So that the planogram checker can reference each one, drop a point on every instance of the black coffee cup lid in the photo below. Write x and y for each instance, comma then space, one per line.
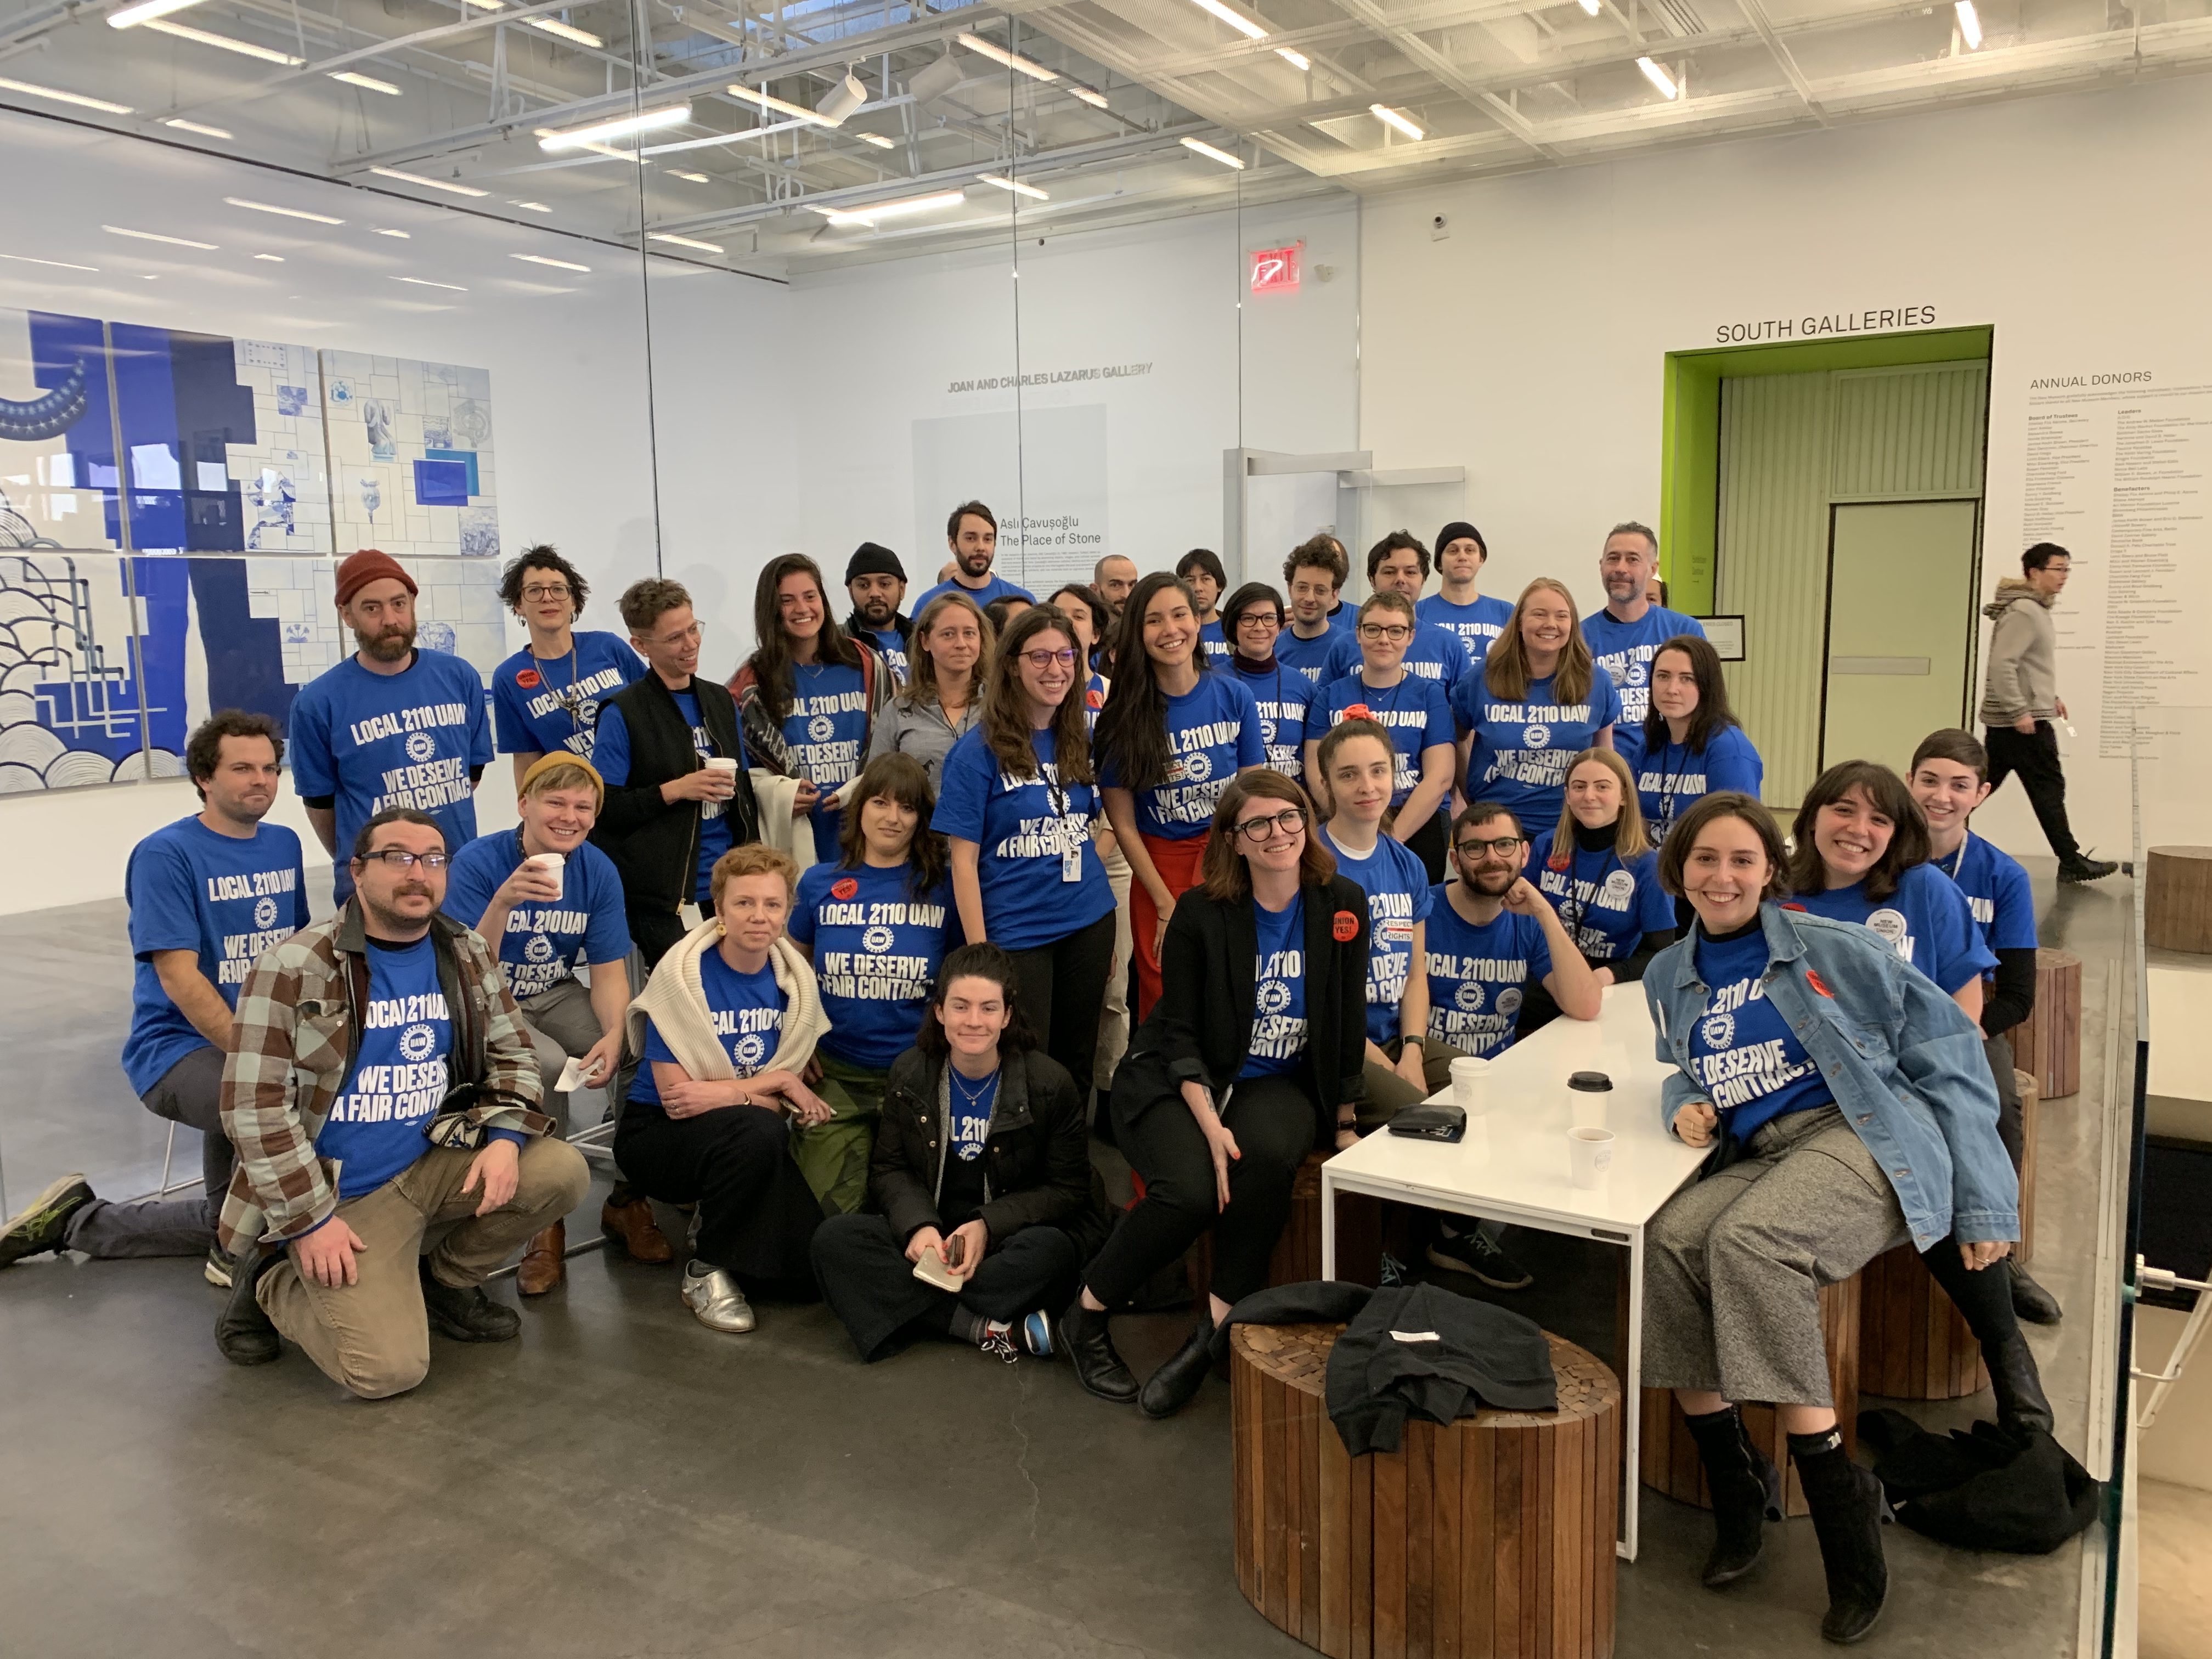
1596, 1083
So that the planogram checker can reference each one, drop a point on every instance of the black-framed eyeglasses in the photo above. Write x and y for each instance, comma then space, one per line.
1288, 822
1261, 619
1043, 659
1504, 846
1392, 631
546, 591
398, 858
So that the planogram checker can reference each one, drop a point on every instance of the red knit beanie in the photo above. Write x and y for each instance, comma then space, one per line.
370, 565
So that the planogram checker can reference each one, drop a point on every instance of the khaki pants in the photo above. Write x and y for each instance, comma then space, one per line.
1390, 1093
373, 1336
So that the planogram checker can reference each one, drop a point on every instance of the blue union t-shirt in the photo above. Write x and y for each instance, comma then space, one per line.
542, 706
876, 946
1925, 921
1398, 900
1215, 642
1329, 655
1625, 651
747, 1011
1523, 746
1435, 653
1672, 777
544, 943
371, 741
1998, 897
1280, 695
1478, 975
1476, 625
229, 899
611, 756
1414, 712
1213, 731
1742, 1052
892, 644
825, 731
1023, 827
997, 588
1606, 903
379, 1124
1278, 978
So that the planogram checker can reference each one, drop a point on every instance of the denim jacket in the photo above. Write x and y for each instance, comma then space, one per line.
1901, 1061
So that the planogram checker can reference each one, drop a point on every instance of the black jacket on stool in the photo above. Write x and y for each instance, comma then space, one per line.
653, 842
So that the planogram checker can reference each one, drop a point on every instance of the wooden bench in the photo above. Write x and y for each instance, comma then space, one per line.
2177, 899
1491, 1536
2047, 1044
1670, 1457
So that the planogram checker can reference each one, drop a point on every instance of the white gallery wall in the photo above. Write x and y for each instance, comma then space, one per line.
1528, 346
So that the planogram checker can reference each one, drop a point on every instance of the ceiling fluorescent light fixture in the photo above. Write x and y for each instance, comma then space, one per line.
273, 259
1213, 154
1659, 77
769, 100
875, 210
651, 120
534, 207
670, 237
1593, 7
1969, 25
183, 125
877, 140
1236, 20
424, 281
489, 5
432, 184
289, 213
1297, 60
1096, 99
131, 16
59, 265
367, 83
32, 89
404, 235
553, 26
1391, 118
1012, 60
1013, 185
692, 178
243, 48
545, 260
150, 236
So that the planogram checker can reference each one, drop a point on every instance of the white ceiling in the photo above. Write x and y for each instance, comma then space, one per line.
1491, 86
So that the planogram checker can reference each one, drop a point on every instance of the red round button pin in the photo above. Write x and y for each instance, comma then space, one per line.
1345, 928
529, 679
844, 889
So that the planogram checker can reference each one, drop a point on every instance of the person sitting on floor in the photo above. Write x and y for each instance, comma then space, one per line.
378, 1083
982, 1165
1853, 1111
726, 1026
548, 901
1254, 1056
208, 894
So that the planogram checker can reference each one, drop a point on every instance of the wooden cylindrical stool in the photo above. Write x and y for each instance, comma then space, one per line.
2047, 1044
1670, 1457
2031, 1098
1493, 1534
1913, 1344
2177, 899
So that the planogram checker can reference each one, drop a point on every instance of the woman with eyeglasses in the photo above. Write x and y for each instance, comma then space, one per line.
940, 702
1537, 699
1417, 714
1092, 621
1016, 806
1252, 1058
545, 698
1252, 619
1693, 745
1171, 737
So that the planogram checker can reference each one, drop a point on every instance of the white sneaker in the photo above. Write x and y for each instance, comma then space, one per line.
714, 1296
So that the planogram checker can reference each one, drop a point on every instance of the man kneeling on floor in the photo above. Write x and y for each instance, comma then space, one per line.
379, 1083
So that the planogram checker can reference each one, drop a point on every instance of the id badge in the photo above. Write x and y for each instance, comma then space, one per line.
1071, 864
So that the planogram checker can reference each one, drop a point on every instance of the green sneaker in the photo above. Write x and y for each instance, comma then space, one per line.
41, 1227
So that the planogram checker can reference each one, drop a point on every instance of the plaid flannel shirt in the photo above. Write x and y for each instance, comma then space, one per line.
295, 1039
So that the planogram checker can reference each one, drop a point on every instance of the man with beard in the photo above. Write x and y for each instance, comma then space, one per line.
379, 1083
1627, 634
972, 533
1491, 934
208, 895
1112, 579
389, 726
877, 582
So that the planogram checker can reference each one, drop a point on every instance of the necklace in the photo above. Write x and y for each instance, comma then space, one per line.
570, 698
968, 1098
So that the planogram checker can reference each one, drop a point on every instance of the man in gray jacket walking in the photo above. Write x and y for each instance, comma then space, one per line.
2020, 701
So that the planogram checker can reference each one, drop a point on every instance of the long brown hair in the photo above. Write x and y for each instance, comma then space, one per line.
1221, 869
1005, 707
771, 659
1133, 728
1505, 671
1630, 840
901, 778
1886, 793
921, 668
1712, 715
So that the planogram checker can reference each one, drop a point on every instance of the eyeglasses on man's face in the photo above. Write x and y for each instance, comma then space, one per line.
1394, 632
398, 858
538, 591
1504, 846
1288, 822
1042, 659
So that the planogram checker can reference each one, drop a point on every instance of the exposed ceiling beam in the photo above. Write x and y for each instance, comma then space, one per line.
1419, 54
1755, 13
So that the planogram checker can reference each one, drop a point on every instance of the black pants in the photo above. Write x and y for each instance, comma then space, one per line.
2010, 1129
1982, 1296
870, 1285
1427, 844
756, 1213
1275, 1121
656, 931
1062, 986
2035, 757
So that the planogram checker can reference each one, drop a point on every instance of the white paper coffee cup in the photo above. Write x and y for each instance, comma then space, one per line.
1470, 1077
723, 764
553, 864
1589, 1154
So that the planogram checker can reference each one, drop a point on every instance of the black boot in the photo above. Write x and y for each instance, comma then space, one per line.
2018, 1386
1091, 1346
244, 1333
1747, 1491
1176, 1383
2030, 1301
1848, 1510
467, 1315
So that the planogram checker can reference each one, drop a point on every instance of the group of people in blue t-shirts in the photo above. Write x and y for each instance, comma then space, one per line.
865, 944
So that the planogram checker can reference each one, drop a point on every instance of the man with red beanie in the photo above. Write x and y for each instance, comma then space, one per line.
389, 726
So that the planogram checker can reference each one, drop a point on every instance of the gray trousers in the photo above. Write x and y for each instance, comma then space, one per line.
562, 1027
1734, 1264
191, 1093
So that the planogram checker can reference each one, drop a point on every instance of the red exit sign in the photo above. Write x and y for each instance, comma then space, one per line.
1274, 268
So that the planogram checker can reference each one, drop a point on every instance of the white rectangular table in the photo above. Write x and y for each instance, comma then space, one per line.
1512, 1167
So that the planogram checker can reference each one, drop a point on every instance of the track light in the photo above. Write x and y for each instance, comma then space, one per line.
183, 125
565, 31
646, 121
840, 101
932, 81
1213, 154
1659, 77
447, 185
1096, 99
546, 259
768, 101
875, 210
1391, 118
1969, 25
152, 236
877, 140
424, 281
1012, 60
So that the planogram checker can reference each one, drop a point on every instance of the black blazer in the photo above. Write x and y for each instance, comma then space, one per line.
655, 843
1201, 1026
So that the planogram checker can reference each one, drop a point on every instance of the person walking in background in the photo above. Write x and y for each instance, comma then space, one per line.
972, 532
546, 696
2020, 701
875, 581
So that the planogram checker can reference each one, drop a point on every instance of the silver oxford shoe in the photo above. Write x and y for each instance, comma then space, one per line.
715, 1298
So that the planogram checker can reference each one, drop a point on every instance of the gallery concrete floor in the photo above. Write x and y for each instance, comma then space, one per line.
622, 1481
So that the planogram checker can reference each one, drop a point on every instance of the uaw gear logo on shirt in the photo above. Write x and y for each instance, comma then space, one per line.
1469, 997
1536, 736
264, 912
1638, 673
417, 1043
539, 949
1267, 730
877, 940
421, 745
821, 728
1718, 1030
1273, 996
751, 1049
1277, 1034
